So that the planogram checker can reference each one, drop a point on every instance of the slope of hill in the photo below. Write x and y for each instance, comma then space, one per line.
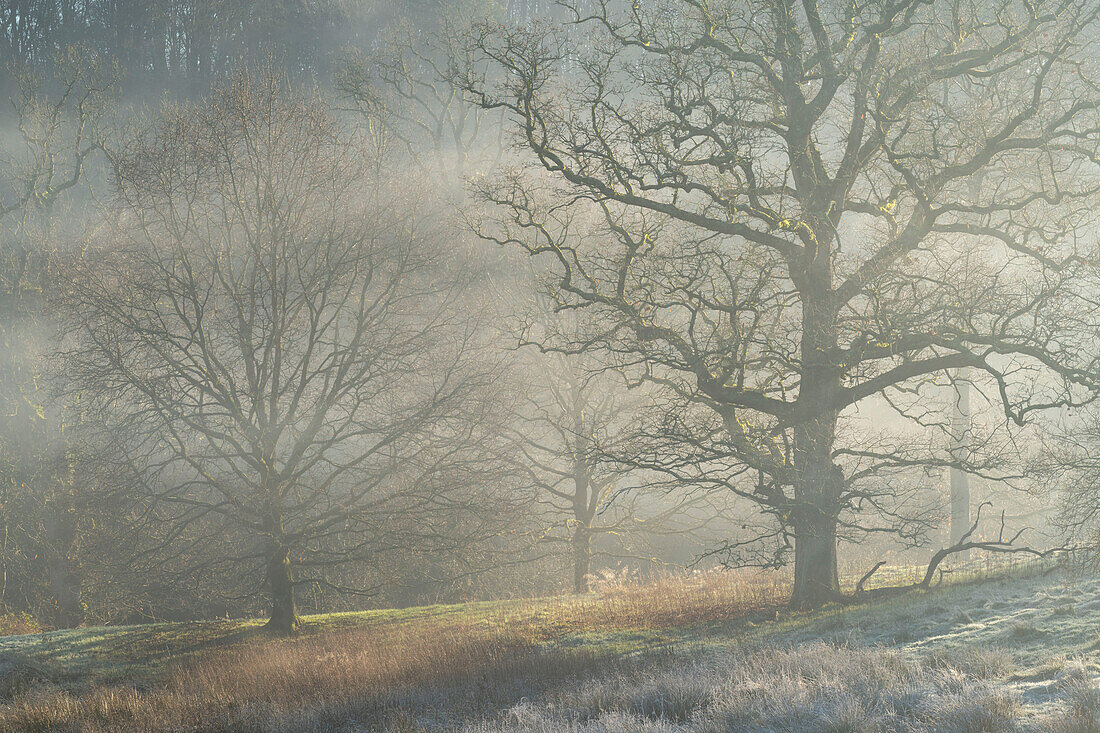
714, 652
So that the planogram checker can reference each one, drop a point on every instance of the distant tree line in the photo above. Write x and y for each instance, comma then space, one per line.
165, 40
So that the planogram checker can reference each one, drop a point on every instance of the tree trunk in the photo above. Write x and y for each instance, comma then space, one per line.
280, 578
584, 508
816, 580
960, 482
581, 558
280, 586
65, 578
818, 481
818, 486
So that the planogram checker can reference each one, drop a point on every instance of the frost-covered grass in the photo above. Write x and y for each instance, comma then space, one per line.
1012, 654
811, 687
703, 653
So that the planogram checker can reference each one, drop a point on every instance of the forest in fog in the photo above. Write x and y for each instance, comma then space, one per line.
310, 306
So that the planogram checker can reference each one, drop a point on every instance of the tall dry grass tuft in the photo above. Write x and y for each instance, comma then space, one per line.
1082, 714
668, 601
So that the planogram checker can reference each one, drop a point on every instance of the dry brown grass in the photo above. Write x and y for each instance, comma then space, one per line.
474, 659
252, 687
669, 601
425, 668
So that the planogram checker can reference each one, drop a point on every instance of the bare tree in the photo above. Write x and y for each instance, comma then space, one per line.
766, 206
55, 117
405, 82
268, 326
572, 423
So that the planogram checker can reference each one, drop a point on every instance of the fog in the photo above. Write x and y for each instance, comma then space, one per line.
311, 307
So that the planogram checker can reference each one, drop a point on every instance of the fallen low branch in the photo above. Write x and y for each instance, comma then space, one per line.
965, 543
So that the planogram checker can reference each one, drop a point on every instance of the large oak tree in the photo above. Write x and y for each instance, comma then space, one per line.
789, 210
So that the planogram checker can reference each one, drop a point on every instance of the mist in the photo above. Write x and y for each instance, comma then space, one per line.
468, 329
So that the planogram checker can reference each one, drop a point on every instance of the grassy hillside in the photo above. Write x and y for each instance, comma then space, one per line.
709, 652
